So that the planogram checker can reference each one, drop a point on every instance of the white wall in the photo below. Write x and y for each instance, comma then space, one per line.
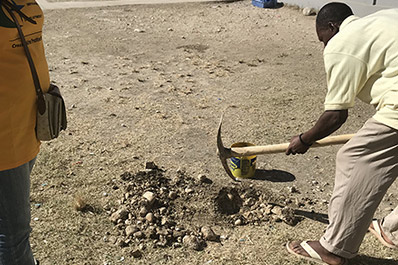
360, 7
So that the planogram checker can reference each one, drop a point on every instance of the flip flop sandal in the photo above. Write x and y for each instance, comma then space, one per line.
376, 230
314, 256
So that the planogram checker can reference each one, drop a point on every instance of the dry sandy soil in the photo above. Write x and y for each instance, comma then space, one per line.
149, 84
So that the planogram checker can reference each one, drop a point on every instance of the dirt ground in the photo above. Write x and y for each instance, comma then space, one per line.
148, 84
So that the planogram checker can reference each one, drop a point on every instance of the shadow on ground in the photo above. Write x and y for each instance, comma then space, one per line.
366, 260
273, 175
319, 217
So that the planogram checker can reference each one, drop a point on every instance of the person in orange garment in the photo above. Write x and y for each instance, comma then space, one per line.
361, 61
18, 143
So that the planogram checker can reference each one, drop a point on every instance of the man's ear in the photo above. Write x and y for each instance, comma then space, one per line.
333, 27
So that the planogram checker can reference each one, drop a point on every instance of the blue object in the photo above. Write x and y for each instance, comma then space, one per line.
264, 3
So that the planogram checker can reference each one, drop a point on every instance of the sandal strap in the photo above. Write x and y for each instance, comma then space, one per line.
376, 226
310, 250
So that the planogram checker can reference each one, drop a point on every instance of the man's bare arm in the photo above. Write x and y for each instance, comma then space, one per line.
327, 123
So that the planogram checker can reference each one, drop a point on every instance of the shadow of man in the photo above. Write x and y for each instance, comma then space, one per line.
366, 260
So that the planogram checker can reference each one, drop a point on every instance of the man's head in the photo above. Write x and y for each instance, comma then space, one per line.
329, 19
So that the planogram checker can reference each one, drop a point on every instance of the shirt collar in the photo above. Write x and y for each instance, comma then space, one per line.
347, 21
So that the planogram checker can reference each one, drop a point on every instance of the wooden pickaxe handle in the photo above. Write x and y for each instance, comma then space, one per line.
281, 148
225, 153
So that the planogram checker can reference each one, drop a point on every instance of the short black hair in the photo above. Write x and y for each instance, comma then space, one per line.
333, 12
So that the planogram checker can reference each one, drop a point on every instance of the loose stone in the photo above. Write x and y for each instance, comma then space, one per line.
208, 233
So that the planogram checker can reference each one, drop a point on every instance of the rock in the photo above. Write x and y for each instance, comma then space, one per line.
277, 210
193, 242
189, 190
173, 195
288, 216
151, 165
180, 171
224, 237
163, 190
178, 234
149, 196
120, 214
238, 222
309, 11
151, 233
139, 235
177, 245
250, 202
208, 234
113, 239
130, 230
161, 244
267, 210
277, 218
122, 243
162, 231
164, 222
136, 253
292, 189
150, 217
202, 178
163, 210
143, 211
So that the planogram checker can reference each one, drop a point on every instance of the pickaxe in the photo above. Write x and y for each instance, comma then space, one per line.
225, 153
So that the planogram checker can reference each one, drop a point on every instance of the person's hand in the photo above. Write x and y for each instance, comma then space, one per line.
296, 146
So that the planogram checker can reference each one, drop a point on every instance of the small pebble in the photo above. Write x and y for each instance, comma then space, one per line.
136, 253
202, 178
208, 233
173, 195
150, 217
188, 190
309, 11
193, 242
149, 196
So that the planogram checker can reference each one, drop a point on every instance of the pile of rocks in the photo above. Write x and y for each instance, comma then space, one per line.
149, 214
158, 211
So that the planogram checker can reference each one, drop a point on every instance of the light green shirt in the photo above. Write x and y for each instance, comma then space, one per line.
362, 61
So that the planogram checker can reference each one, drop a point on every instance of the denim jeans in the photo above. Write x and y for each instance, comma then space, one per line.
15, 216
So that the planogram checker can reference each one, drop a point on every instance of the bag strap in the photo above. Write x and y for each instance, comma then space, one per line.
13, 8
40, 97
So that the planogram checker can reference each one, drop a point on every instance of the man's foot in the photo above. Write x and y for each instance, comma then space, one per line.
375, 229
313, 250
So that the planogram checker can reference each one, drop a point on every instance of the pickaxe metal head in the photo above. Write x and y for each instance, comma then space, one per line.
224, 153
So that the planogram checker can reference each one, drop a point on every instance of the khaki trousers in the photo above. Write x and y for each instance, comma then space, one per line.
366, 166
